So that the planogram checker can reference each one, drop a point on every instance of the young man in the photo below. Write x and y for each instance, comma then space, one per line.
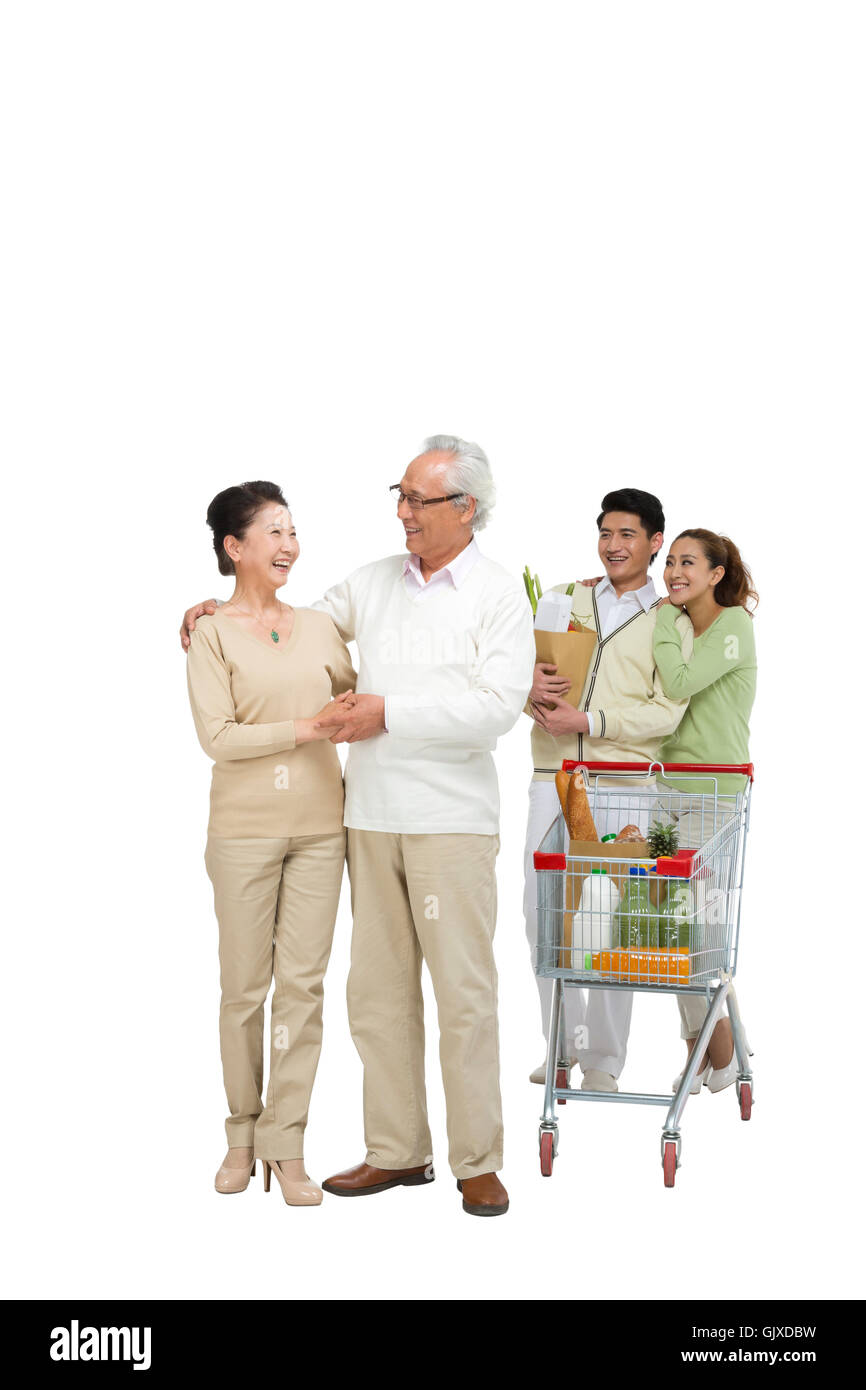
623, 716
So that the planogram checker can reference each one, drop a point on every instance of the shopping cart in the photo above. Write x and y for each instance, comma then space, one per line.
665, 926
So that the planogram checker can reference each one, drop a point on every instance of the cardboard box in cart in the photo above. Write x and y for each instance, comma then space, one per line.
633, 967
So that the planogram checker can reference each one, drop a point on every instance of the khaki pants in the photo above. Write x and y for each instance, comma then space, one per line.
276, 904
430, 897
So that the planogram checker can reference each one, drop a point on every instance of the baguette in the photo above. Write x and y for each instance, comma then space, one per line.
578, 816
562, 780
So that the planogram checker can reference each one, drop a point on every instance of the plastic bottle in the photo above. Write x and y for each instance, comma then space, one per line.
653, 940
637, 922
593, 921
675, 916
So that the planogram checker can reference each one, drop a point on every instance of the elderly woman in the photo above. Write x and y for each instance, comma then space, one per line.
261, 676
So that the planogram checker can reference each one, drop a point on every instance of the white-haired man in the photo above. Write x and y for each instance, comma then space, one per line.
446, 658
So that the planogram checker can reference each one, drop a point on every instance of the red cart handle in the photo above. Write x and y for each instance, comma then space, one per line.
743, 769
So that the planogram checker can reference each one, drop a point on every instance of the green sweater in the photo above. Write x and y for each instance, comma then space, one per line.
719, 683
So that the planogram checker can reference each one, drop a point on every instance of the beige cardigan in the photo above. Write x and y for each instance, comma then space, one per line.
623, 692
245, 695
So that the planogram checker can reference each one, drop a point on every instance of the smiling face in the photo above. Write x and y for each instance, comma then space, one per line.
688, 573
268, 550
436, 533
625, 549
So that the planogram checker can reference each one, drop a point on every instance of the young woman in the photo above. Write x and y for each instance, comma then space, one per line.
261, 674
706, 578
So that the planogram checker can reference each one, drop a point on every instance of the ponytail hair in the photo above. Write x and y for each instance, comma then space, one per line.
735, 589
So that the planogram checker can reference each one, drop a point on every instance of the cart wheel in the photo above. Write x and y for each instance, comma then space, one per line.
561, 1083
745, 1100
669, 1163
546, 1150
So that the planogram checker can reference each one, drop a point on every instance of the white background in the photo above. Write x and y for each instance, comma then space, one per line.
618, 244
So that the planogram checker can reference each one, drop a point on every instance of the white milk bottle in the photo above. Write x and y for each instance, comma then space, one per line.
593, 921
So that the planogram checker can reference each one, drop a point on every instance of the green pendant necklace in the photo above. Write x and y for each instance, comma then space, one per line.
275, 636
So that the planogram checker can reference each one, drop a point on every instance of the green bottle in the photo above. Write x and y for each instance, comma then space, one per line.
636, 924
653, 926
675, 916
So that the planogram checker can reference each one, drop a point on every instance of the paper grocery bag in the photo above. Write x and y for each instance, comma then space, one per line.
571, 653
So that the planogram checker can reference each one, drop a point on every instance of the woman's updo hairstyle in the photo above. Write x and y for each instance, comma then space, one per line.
735, 589
231, 512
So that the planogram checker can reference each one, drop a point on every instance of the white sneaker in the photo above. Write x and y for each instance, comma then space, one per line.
540, 1074
594, 1080
702, 1079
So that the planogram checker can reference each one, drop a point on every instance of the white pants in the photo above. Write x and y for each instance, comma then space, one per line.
696, 823
604, 1019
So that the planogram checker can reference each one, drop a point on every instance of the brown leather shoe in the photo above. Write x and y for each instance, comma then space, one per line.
484, 1195
363, 1180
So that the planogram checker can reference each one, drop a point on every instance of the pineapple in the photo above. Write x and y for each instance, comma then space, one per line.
662, 839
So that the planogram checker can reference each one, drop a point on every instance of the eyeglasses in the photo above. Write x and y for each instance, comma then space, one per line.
418, 504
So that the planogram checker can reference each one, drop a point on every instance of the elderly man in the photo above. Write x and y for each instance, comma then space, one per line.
446, 657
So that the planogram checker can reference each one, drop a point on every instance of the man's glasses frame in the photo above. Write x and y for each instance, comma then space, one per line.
419, 503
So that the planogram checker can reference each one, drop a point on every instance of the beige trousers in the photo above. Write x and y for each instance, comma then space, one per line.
276, 904
430, 897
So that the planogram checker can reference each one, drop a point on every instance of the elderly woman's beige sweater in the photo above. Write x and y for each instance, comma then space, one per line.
246, 694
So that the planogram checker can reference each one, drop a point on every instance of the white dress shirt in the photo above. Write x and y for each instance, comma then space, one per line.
418, 588
454, 660
613, 612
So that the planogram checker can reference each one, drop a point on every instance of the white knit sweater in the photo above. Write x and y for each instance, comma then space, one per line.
456, 670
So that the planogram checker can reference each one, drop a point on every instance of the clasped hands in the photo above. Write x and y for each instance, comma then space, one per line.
350, 718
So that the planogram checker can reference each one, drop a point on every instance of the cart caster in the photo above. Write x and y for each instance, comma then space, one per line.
744, 1091
561, 1083
669, 1162
548, 1153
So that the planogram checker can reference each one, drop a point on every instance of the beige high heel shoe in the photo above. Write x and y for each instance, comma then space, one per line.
233, 1179
297, 1192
